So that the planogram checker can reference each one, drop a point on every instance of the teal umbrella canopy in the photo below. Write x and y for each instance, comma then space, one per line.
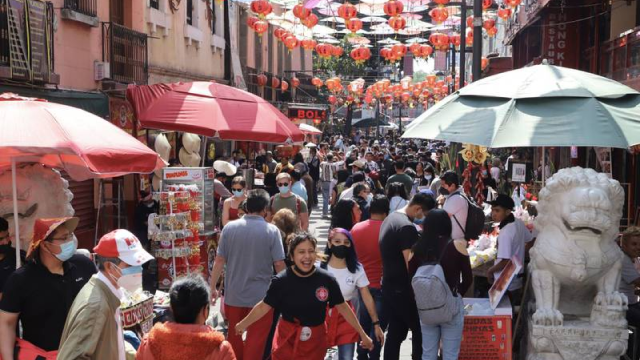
541, 105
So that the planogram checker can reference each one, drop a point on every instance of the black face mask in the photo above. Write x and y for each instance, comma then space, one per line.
302, 272
444, 191
339, 251
6, 249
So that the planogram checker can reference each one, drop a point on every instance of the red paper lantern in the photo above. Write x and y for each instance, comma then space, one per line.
486, 4
301, 12
354, 25
455, 39
316, 82
425, 51
415, 49
504, 13
295, 82
489, 24
347, 11
330, 84
512, 3
262, 80
441, 3
337, 51
431, 80
251, 20
324, 50
360, 54
284, 86
332, 99
399, 50
469, 38
405, 96
275, 82
308, 44
397, 22
385, 53
440, 41
470, 21
291, 42
439, 15
484, 62
492, 32
278, 33
261, 7
260, 27
310, 21
393, 8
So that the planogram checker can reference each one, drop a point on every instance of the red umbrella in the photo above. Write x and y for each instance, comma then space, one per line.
211, 109
67, 138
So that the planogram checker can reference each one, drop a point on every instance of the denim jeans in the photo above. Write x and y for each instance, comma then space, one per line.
346, 351
450, 333
365, 321
326, 186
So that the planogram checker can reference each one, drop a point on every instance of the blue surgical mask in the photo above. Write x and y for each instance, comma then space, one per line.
283, 189
131, 270
237, 193
67, 250
418, 221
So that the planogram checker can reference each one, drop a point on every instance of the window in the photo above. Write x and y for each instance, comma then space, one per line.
190, 12
154, 4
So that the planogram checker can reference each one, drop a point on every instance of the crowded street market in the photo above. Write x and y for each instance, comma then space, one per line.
319, 179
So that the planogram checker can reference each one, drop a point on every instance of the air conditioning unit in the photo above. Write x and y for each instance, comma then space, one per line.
101, 70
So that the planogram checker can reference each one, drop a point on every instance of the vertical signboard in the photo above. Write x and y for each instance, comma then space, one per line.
18, 44
38, 40
236, 67
560, 38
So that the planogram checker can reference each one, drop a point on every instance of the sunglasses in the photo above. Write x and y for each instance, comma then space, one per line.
283, 184
236, 189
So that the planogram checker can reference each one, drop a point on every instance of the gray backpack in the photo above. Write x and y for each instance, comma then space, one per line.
436, 304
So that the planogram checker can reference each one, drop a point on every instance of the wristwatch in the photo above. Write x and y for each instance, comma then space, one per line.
376, 323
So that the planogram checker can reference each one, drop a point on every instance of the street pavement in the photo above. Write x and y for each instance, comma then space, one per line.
319, 228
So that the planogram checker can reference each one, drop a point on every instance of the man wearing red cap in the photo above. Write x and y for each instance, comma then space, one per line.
93, 329
40, 293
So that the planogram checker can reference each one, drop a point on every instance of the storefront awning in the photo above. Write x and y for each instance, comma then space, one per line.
93, 102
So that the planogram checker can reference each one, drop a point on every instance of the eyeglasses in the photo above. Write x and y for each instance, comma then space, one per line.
283, 184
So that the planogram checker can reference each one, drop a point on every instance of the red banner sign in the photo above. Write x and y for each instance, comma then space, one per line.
486, 338
560, 39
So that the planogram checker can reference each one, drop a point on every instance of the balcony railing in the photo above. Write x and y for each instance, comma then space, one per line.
86, 7
126, 52
620, 57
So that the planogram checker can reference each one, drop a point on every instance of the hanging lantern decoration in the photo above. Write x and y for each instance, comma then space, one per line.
469, 38
308, 44
385, 53
324, 50
486, 4
260, 27
347, 11
397, 22
332, 99
262, 80
316, 82
337, 51
251, 21
291, 42
405, 96
415, 49
261, 7
484, 62
489, 24
310, 21
441, 3
470, 21
354, 25
449, 79
425, 51
330, 84
301, 12
455, 40
275, 82
399, 50
512, 3
284, 86
504, 13
492, 32
361, 54
295, 82
439, 15
440, 41
393, 8
431, 80
278, 33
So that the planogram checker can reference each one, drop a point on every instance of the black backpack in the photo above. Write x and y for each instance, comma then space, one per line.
475, 220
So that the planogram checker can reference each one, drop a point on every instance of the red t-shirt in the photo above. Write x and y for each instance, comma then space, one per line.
366, 236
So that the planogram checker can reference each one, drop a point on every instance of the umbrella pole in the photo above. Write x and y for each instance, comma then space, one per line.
544, 165
16, 225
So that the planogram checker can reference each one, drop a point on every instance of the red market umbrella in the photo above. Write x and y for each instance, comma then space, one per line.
67, 138
211, 109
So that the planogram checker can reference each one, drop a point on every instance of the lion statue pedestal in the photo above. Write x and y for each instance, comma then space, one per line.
575, 270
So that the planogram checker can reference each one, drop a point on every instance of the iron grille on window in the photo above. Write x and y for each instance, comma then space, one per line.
87, 7
126, 52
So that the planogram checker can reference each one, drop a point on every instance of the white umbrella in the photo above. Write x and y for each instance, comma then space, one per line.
308, 129
222, 166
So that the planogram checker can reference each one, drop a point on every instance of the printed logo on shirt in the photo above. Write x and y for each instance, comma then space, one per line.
79, 279
350, 281
322, 294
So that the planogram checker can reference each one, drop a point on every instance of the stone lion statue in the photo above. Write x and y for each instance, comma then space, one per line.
42, 193
575, 263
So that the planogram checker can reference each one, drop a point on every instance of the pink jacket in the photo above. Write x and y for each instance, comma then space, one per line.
172, 341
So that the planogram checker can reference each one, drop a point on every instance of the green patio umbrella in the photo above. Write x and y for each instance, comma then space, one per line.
541, 105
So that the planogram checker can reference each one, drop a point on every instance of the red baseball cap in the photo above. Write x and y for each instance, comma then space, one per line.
42, 228
122, 244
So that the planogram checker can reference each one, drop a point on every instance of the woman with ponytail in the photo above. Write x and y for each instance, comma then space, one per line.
342, 262
187, 338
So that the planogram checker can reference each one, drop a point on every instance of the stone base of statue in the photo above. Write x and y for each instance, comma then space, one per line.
576, 340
